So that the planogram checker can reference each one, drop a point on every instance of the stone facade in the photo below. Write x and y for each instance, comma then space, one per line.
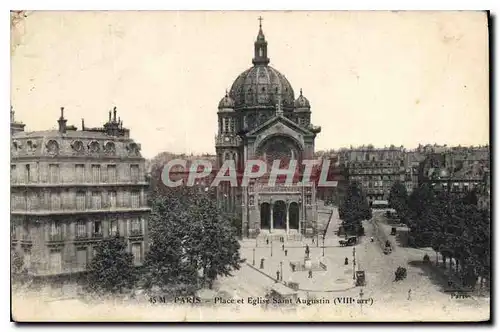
259, 118
70, 189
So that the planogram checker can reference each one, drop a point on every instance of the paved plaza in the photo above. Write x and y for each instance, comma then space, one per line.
337, 279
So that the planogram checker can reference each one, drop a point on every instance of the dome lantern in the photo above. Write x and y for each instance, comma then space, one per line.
301, 103
260, 48
226, 102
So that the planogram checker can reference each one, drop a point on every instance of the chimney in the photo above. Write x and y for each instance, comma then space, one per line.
114, 114
62, 122
83, 125
109, 116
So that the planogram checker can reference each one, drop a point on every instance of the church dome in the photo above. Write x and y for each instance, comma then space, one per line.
302, 102
262, 86
226, 102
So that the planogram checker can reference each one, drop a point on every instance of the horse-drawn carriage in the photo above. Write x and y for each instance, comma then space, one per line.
349, 242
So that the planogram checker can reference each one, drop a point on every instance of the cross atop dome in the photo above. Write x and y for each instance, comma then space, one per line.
260, 22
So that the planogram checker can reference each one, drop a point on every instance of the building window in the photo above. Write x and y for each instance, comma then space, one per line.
55, 232
81, 258
27, 173
55, 261
113, 227
55, 201
80, 201
227, 124
134, 173
96, 200
137, 252
13, 230
97, 229
111, 173
112, 199
53, 173
27, 259
31, 200
135, 226
81, 229
13, 174
80, 173
96, 173
134, 199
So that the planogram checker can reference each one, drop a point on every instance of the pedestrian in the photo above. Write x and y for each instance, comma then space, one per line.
262, 263
409, 294
313, 241
371, 238
286, 252
282, 247
346, 261
277, 276
310, 274
267, 241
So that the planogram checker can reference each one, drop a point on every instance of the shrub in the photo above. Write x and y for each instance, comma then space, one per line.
400, 273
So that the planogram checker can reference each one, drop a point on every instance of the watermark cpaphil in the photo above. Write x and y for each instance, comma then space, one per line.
178, 172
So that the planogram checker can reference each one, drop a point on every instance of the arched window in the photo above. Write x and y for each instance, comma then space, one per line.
261, 52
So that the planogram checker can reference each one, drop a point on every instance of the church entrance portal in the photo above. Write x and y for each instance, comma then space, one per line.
265, 214
294, 215
279, 215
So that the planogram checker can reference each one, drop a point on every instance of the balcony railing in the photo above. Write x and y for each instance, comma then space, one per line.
136, 232
132, 182
56, 238
97, 235
74, 211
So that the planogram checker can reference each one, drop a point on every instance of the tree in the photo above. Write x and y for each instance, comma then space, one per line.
112, 270
192, 241
471, 198
398, 199
354, 208
165, 264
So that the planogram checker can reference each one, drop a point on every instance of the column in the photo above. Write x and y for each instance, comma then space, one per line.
287, 218
271, 217
301, 219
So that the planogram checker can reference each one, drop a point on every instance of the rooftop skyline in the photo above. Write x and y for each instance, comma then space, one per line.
376, 78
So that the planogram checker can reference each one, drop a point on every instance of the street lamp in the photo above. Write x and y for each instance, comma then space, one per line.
361, 298
354, 263
253, 261
323, 246
271, 247
281, 268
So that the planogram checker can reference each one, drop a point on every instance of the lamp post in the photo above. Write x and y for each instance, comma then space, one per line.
253, 260
281, 268
323, 246
271, 247
353, 263
361, 298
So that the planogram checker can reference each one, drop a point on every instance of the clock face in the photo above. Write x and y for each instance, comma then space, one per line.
226, 139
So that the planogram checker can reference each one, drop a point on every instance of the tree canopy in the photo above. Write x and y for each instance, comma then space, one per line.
454, 226
354, 208
112, 269
192, 241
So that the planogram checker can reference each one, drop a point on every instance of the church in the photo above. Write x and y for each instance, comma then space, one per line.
260, 118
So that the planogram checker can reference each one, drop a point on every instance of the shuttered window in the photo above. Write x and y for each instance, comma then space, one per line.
96, 173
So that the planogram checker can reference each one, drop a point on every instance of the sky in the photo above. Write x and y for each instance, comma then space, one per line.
380, 78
